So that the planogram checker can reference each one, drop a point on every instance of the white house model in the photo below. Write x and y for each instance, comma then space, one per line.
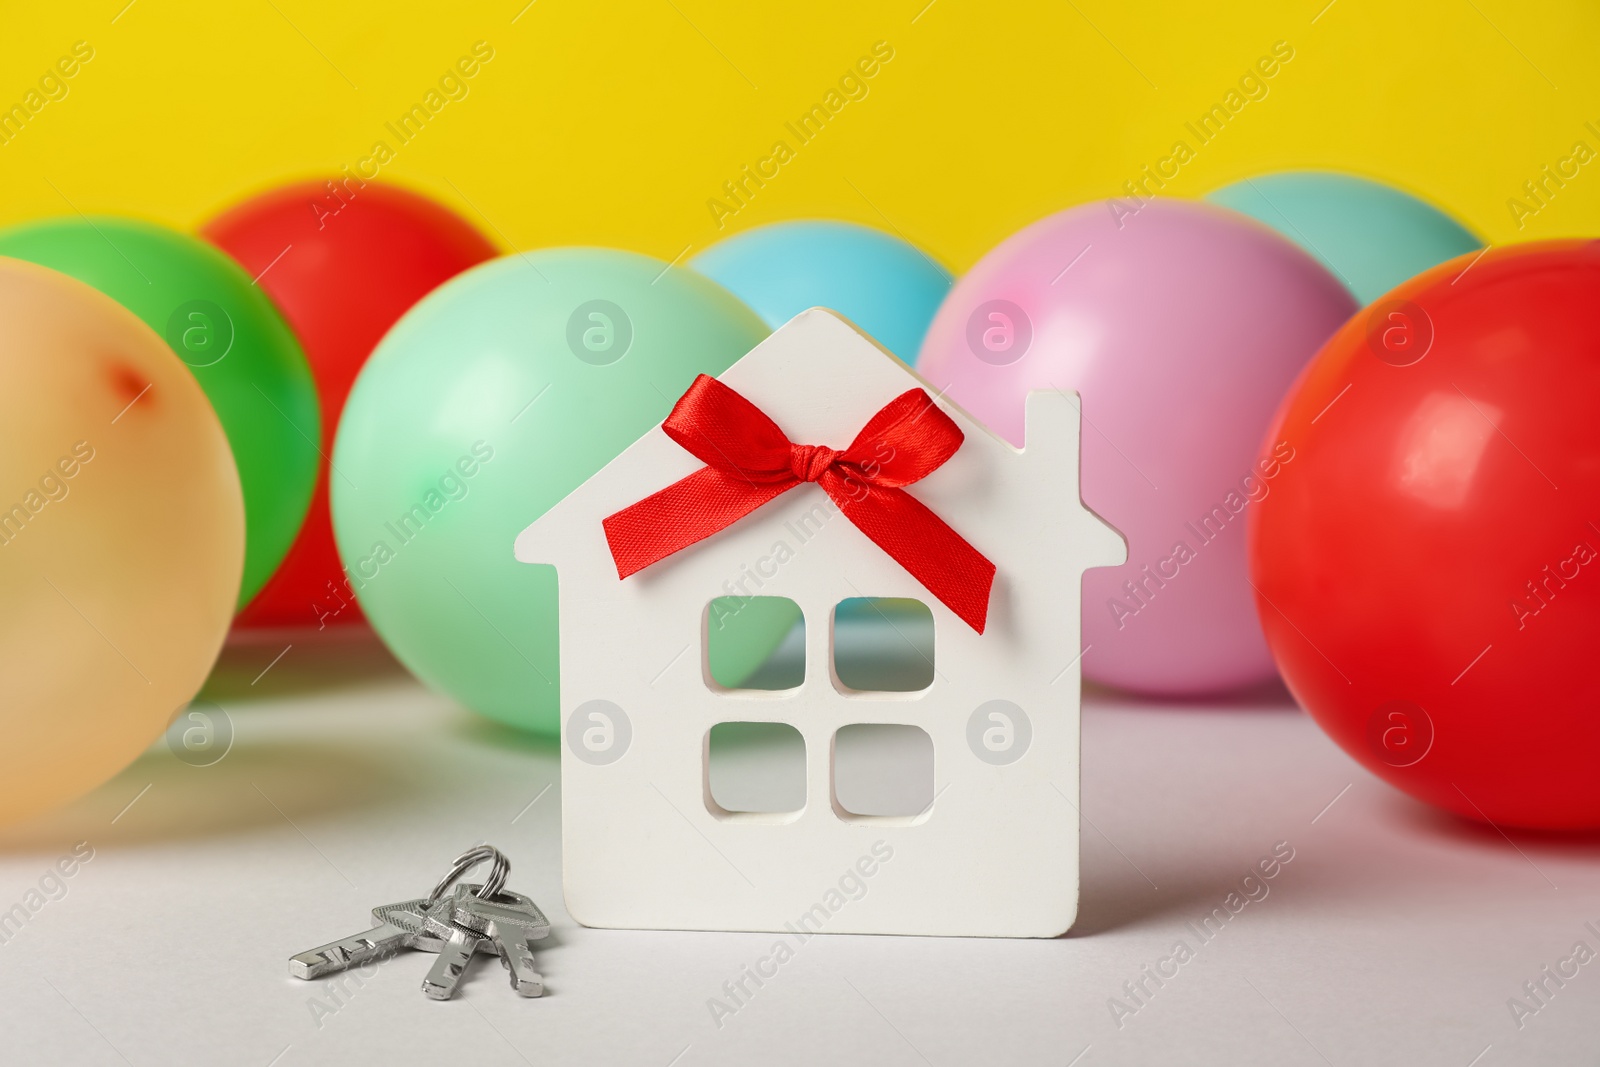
996, 851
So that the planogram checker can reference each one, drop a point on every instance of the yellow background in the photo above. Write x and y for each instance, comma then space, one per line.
614, 124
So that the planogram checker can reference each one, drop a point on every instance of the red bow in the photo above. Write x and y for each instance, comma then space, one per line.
749, 461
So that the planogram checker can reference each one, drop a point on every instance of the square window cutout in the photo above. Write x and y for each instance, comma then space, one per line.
883, 644
755, 642
882, 769
755, 767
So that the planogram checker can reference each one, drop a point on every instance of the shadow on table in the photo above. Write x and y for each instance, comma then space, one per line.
491, 734
278, 663
1270, 695
1432, 822
271, 784
1110, 898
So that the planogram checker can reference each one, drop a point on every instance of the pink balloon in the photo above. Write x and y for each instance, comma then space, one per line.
1182, 325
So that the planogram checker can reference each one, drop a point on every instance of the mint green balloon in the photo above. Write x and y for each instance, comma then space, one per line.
1372, 236
492, 399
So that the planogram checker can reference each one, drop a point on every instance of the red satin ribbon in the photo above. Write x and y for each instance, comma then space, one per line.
749, 461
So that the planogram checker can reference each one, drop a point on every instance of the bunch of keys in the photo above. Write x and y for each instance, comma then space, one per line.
471, 919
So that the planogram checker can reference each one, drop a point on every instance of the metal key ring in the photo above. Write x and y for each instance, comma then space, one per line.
470, 859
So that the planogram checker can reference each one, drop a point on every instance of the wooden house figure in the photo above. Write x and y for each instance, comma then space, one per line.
645, 844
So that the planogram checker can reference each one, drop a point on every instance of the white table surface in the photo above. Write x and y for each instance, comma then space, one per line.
1394, 936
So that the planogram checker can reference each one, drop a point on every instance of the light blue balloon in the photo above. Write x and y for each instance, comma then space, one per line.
1372, 236
885, 286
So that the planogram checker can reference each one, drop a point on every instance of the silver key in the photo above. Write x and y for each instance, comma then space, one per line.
429, 921
470, 924
384, 939
511, 921
472, 919
454, 956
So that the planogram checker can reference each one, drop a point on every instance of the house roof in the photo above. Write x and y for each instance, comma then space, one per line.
820, 379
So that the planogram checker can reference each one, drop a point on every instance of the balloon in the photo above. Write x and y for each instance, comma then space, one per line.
889, 288
491, 400
1428, 566
234, 342
1371, 235
342, 265
121, 537
1181, 325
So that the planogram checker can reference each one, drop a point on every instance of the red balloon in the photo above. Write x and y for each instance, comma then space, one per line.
1427, 565
343, 261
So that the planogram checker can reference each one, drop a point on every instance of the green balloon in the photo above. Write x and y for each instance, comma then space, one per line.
1372, 236
234, 342
492, 399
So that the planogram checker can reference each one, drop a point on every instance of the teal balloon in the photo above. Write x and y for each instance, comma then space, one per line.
1372, 236
489, 401
884, 285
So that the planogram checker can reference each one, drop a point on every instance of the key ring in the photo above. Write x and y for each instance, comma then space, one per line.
470, 859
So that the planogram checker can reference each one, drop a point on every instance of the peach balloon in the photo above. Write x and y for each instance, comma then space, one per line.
121, 537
